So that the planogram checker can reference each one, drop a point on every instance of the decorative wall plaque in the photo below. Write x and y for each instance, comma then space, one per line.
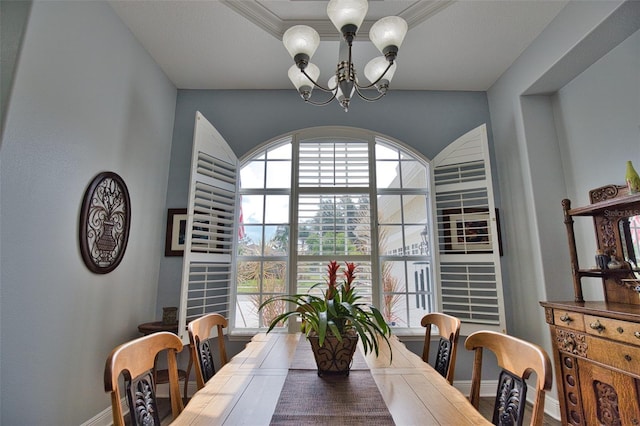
105, 218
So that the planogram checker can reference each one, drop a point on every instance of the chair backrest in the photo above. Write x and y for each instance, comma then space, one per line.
201, 339
135, 360
449, 332
518, 359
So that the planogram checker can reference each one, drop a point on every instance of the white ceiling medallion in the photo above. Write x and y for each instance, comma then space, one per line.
270, 15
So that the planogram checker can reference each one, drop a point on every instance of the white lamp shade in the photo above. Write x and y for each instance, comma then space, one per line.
343, 12
331, 84
374, 69
299, 79
389, 31
301, 39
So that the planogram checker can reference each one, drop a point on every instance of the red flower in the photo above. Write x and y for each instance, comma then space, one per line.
332, 270
349, 275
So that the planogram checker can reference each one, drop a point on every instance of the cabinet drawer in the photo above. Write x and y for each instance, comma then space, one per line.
618, 330
617, 355
568, 319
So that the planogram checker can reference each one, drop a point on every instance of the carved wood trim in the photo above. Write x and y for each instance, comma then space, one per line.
548, 315
570, 382
608, 410
571, 342
606, 192
606, 229
510, 400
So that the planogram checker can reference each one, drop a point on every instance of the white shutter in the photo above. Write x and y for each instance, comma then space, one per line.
469, 278
207, 270
329, 164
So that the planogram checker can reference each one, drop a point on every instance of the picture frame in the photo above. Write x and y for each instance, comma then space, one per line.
176, 231
105, 221
468, 231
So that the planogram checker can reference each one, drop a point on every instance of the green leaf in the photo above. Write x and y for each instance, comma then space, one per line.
322, 327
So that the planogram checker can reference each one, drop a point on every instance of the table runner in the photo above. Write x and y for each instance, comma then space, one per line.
307, 399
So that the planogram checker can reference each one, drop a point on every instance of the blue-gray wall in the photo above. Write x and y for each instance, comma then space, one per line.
535, 156
13, 20
86, 98
597, 118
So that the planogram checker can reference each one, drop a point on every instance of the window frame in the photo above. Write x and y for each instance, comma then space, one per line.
342, 134
376, 258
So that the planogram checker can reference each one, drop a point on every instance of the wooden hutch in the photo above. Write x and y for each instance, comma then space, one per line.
596, 345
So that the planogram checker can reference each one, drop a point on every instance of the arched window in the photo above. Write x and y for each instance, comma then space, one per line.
335, 194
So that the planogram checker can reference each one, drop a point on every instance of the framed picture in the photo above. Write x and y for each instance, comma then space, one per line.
469, 231
176, 229
105, 219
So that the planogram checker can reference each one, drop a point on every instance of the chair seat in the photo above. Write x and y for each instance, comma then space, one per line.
162, 376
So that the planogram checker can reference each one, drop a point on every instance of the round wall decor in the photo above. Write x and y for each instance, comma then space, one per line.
105, 218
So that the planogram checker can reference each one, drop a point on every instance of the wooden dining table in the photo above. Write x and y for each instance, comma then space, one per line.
246, 390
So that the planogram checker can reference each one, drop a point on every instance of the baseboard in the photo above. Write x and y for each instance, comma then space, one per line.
488, 389
105, 417
552, 407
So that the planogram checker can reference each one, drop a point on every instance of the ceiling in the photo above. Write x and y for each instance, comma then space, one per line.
236, 44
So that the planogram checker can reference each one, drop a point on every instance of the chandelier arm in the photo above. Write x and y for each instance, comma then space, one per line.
324, 89
333, 96
362, 96
377, 81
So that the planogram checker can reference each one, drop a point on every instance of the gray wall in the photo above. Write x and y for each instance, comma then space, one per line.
536, 150
597, 117
86, 98
13, 19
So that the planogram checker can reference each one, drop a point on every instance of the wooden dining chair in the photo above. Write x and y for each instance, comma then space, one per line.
201, 340
449, 332
518, 359
135, 360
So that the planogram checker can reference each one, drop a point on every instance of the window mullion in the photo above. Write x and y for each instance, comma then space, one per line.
293, 223
373, 210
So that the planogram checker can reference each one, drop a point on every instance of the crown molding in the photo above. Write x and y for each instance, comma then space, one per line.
263, 17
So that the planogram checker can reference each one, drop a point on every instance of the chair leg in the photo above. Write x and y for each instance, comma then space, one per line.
186, 379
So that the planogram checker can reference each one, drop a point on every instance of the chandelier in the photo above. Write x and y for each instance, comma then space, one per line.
301, 41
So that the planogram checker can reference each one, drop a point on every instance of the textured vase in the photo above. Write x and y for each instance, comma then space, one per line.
106, 242
334, 357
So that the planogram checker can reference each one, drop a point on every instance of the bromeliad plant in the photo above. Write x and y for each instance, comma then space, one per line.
339, 311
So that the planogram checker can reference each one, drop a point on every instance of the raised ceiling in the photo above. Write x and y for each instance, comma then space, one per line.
236, 44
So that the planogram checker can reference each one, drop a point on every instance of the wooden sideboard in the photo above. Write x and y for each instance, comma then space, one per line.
596, 344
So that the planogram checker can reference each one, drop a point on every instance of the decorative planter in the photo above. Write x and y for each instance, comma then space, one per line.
334, 357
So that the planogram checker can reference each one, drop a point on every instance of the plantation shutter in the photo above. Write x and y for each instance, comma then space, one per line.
207, 270
469, 278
